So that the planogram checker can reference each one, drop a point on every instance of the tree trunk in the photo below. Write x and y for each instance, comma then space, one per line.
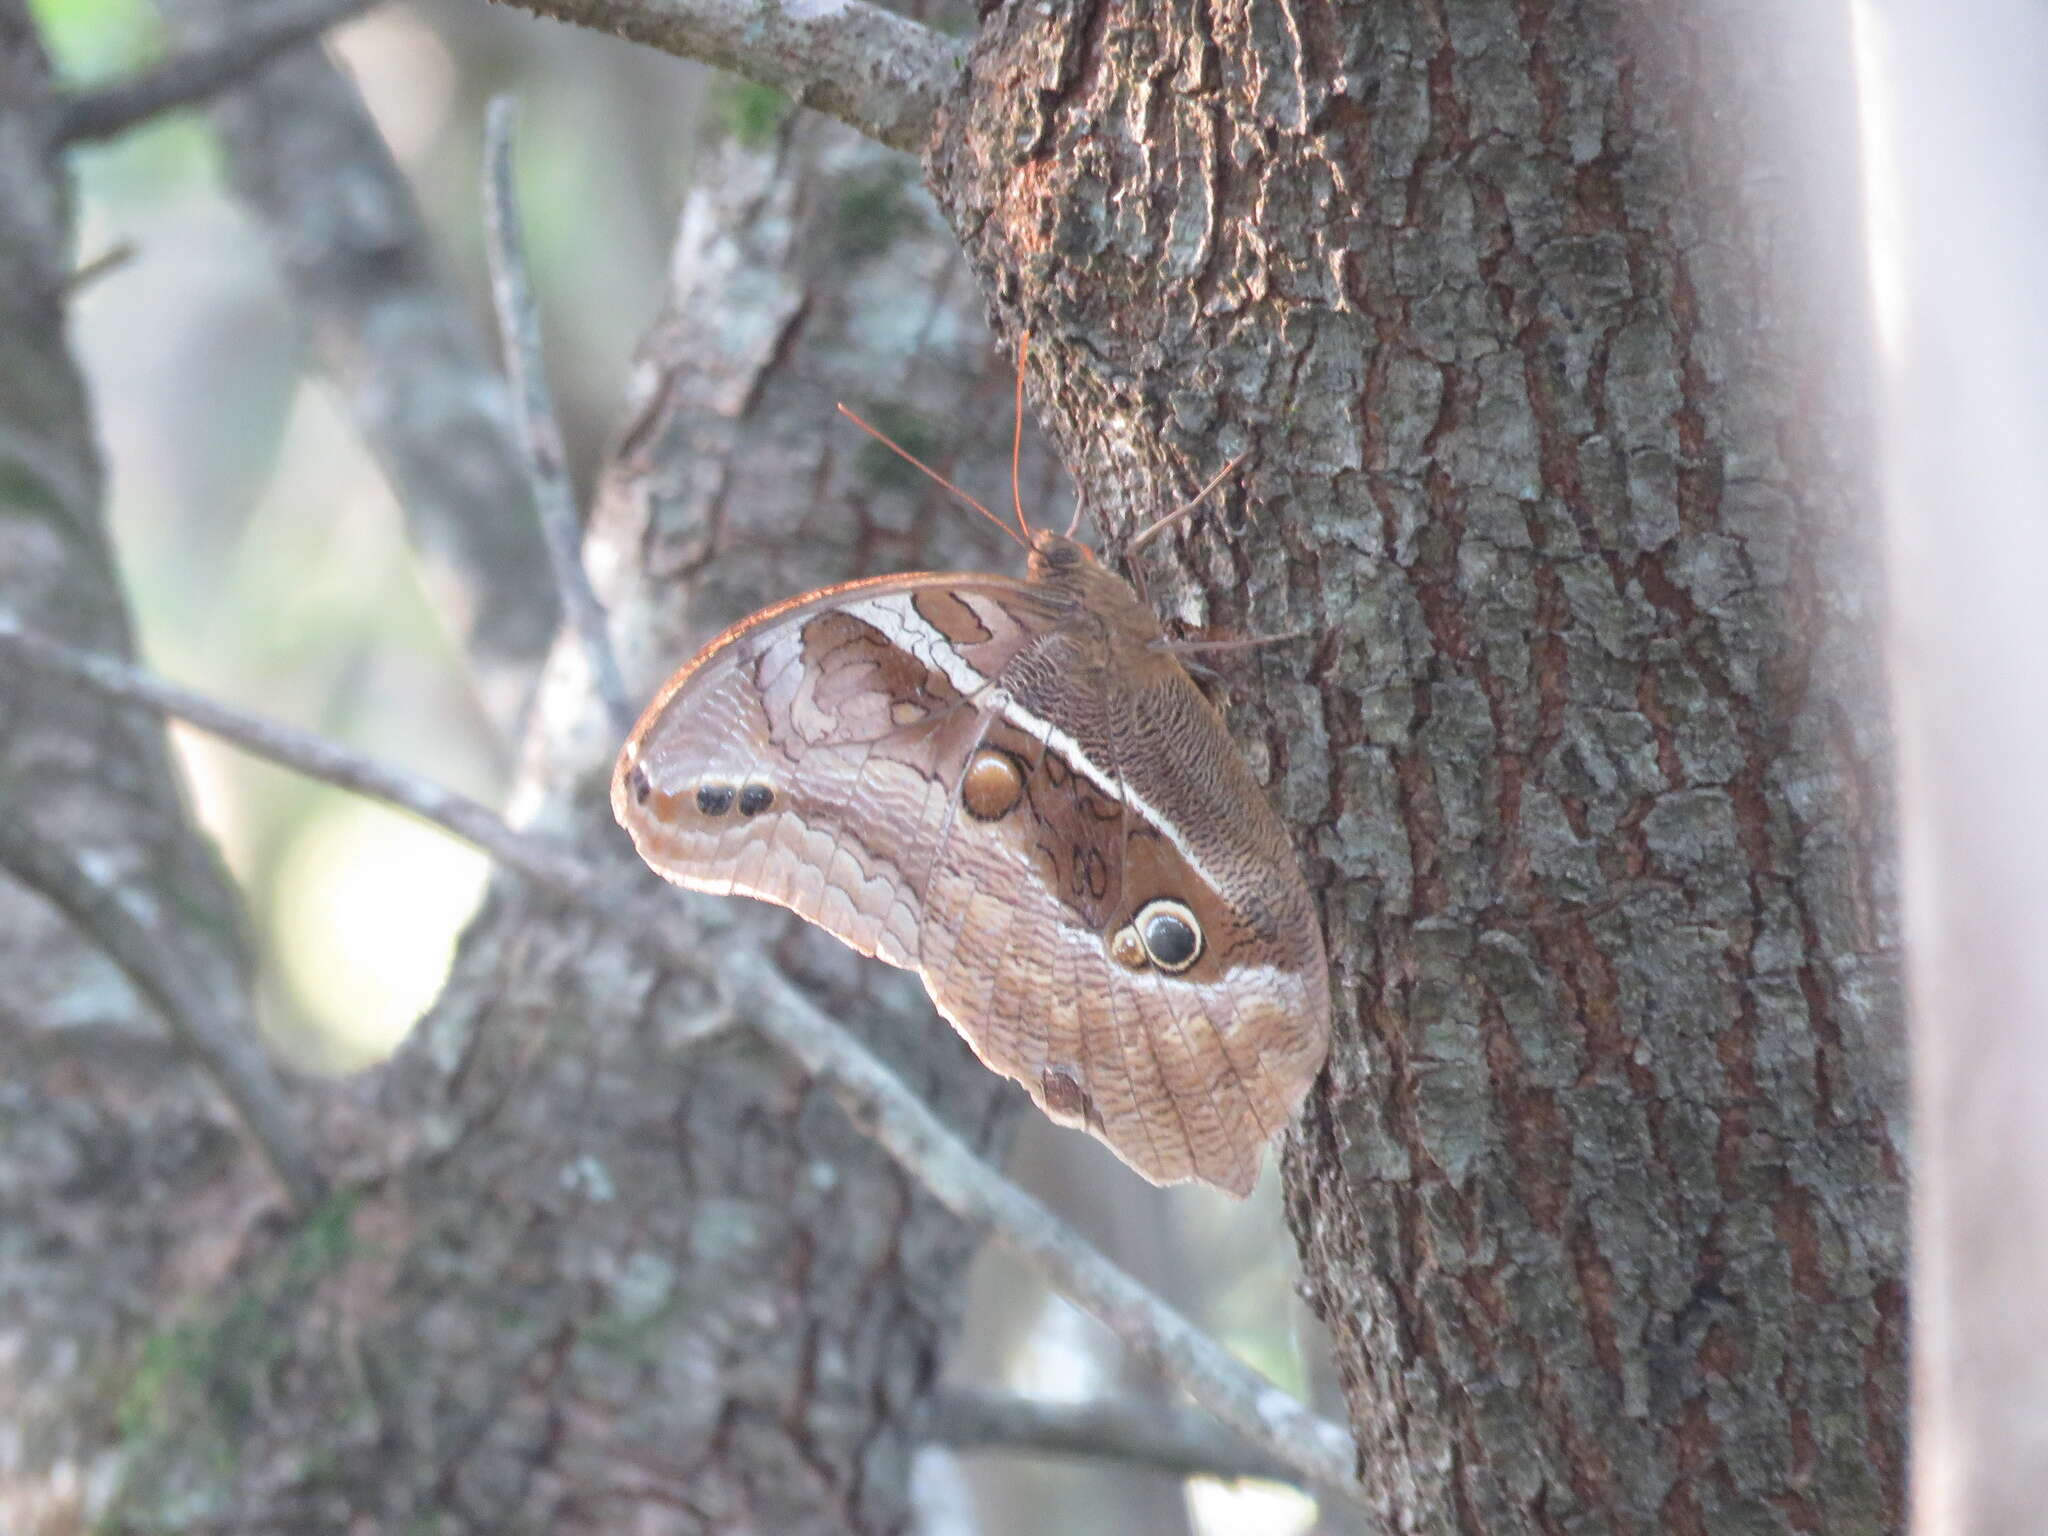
121, 1163
1540, 327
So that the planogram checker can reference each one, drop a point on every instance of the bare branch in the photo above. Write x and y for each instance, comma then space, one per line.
214, 1025
874, 70
540, 434
1165, 1436
315, 756
1317, 1452
108, 262
187, 79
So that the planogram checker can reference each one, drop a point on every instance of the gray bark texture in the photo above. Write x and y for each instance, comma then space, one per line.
1540, 324
605, 1258
122, 1167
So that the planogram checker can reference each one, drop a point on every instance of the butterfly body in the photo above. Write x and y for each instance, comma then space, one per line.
1014, 789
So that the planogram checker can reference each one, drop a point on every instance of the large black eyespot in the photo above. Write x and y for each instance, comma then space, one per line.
755, 799
1173, 939
714, 799
641, 786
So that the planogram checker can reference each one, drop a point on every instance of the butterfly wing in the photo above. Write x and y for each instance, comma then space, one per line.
1136, 802
958, 775
808, 755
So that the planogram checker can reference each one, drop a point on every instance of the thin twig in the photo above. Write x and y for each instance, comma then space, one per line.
108, 262
1165, 1436
540, 433
871, 68
212, 1023
1314, 1450
187, 79
318, 758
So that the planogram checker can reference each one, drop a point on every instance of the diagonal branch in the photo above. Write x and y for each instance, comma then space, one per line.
214, 1025
187, 79
879, 72
1314, 1450
547, 865
1165, 1436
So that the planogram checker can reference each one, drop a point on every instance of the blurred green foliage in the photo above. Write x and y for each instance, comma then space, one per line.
752, 114
873, 212
93, 40
910, 431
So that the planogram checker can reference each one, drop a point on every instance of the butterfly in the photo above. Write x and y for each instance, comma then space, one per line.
1013, 788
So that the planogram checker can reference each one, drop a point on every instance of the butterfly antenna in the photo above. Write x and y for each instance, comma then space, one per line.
1181, 511
1017, 437
904, 453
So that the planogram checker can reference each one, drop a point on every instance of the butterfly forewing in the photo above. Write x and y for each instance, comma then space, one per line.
805, 756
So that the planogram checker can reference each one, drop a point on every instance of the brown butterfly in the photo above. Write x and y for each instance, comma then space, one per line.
1014, 789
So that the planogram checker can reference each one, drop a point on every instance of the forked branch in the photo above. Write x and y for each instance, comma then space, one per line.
212, 1023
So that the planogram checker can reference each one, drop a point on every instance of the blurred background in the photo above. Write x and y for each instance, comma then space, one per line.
265, 563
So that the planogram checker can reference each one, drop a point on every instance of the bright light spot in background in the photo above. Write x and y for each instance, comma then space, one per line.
1883, 209
406, 76
367, 908
313, 613
1248, 1509
1061, 1361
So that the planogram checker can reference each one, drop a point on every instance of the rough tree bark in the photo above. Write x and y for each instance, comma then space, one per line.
121, 1165
601, 1251
1540, 324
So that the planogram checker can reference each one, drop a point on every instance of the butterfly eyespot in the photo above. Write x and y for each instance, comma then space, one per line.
992, 786
1172, 937
641, 786
755, 799
714, 799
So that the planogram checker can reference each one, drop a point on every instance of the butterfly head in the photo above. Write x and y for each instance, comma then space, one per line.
1054, 555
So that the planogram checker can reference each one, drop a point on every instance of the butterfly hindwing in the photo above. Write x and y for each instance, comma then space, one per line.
1184, 1073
